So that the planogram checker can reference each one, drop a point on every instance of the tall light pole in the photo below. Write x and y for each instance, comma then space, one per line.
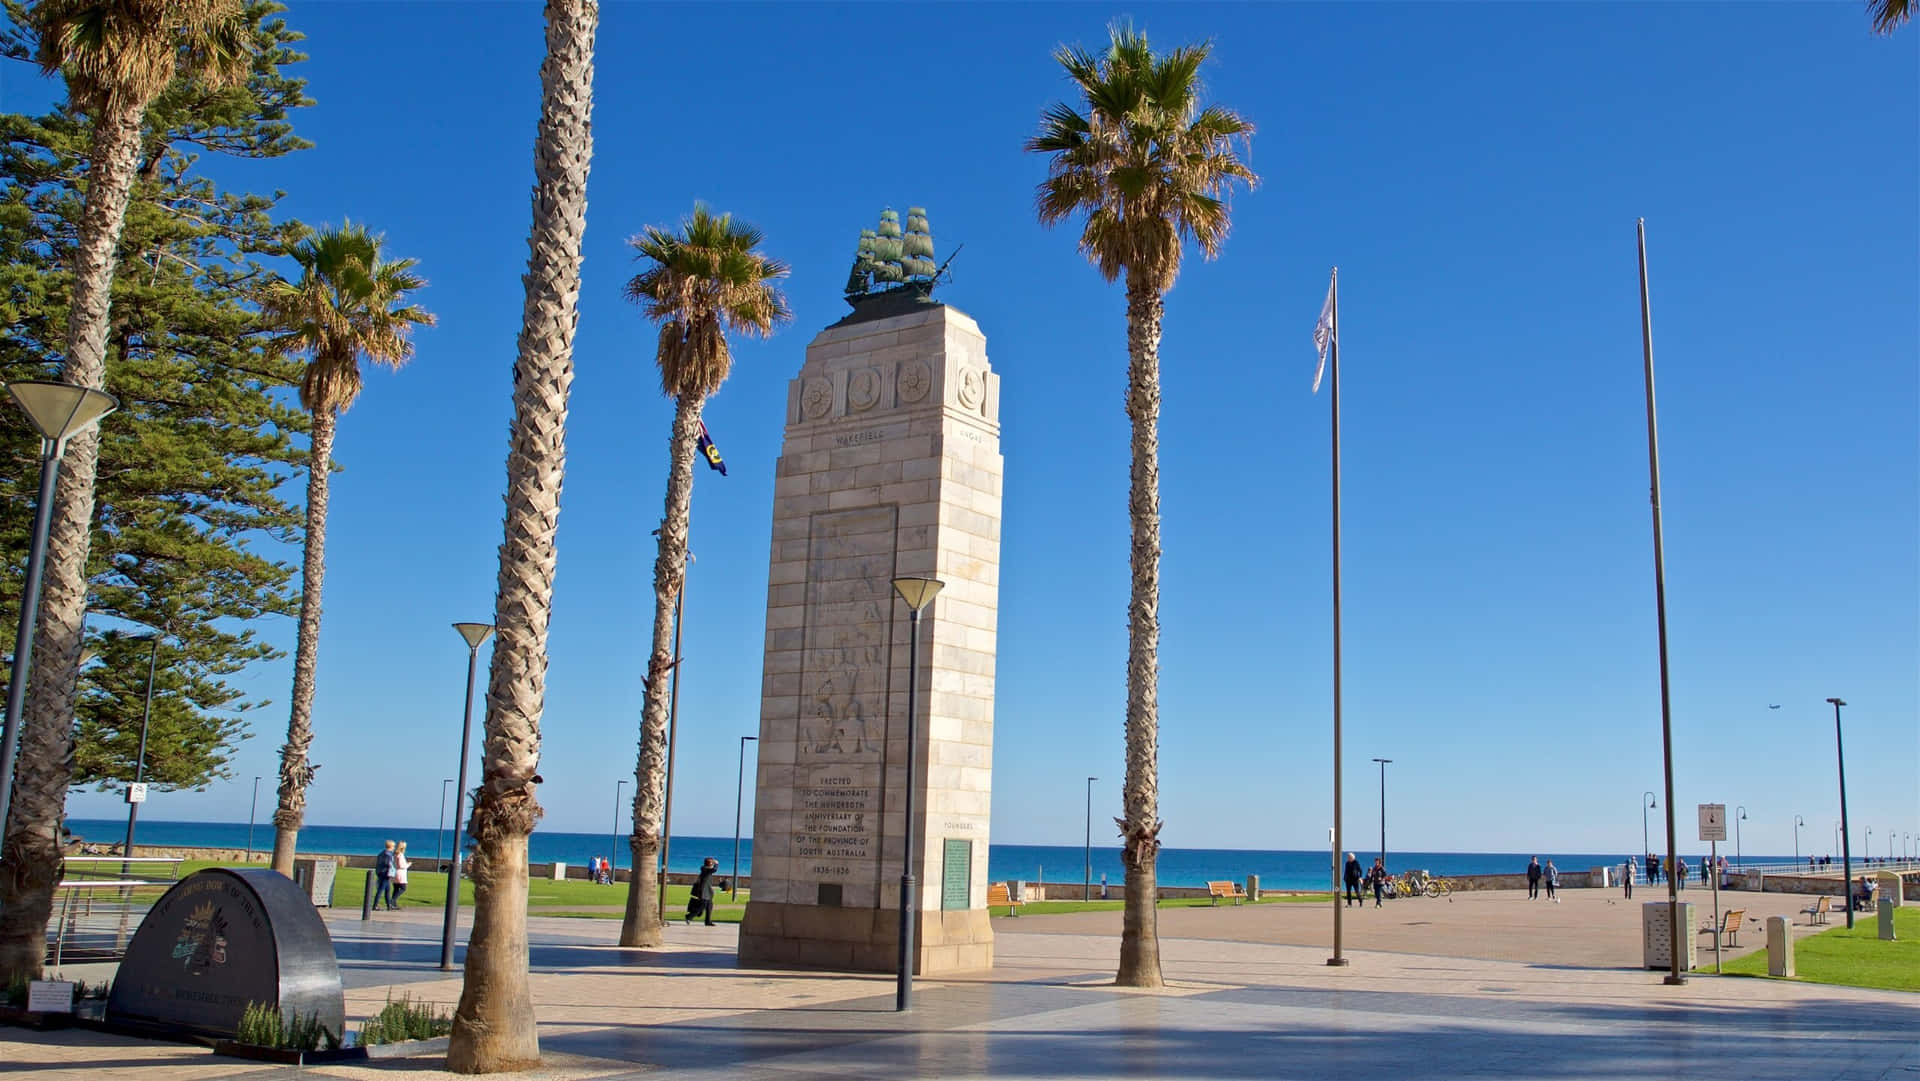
673, 725
473, 634
1676, 974
440, 824
58, 411
1797, 823
1644, 808
1088, 895
1383, 809
613, 860
251, 810
917, 593
1846, 842
1866, 846
1739, 817
739, 790
140, 758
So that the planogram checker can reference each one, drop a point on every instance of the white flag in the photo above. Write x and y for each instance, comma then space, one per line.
1323, 336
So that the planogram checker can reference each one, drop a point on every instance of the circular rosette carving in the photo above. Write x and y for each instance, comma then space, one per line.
973, 388
816, 400
915, 380
863, 389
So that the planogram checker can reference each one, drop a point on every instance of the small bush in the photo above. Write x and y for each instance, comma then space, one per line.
16, 994
266, 1026
405, 1019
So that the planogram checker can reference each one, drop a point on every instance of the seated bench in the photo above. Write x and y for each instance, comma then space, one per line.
1229, 890
1817, 912
997, 895
1729, 930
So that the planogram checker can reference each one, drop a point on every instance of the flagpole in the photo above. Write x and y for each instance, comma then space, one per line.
1339, 841
1675, 956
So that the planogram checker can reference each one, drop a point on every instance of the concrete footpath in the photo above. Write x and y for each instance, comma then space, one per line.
1236, 1008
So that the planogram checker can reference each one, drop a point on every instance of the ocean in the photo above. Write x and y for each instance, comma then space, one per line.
1278, 870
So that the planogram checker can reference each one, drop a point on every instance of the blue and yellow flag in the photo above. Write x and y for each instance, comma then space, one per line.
711, 452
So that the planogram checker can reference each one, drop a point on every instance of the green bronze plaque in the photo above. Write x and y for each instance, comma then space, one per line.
956, 876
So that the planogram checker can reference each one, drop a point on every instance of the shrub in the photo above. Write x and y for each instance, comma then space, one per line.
266, 1026
405, 1019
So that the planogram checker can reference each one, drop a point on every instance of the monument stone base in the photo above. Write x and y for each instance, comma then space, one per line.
776, 935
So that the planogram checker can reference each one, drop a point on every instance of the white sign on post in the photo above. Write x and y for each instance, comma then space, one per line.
1713, 822
49, 996
137, 793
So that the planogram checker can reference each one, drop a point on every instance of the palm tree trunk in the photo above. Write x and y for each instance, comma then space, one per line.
1140, 829
296, 773
494, 1027
641, 927
30, 858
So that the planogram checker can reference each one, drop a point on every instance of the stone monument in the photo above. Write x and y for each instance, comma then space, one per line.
891, 466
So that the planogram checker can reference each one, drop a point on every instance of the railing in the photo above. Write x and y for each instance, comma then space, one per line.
1860, 866
101, 902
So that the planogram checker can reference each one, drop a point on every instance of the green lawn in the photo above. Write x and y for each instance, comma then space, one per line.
1852, 958
1050, 908
427, 889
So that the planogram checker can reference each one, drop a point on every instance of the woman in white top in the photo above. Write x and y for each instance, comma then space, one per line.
400, 865
1628, 872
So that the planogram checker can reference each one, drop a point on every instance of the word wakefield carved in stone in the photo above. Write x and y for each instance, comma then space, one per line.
891, 466
218, 941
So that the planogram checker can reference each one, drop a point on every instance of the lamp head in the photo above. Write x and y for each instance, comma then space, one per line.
474, 633
1836, 701
918, 592
59, 411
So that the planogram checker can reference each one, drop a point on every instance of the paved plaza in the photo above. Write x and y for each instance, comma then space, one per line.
1244, 1003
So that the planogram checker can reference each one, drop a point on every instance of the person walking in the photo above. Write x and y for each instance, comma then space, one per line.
383, 876
700, 898
1379, 879
1351, 875
1533, 878
1680, 874
400, 866
1626, 877
1552, 876
1653, 870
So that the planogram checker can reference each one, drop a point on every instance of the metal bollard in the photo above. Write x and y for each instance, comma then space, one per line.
366, 899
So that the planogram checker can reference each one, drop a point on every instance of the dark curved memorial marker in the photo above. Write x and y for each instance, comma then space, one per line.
222, 939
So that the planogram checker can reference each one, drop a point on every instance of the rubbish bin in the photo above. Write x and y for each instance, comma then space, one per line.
1600, 878
1656, 930
559, 872
315, 879
1779, 946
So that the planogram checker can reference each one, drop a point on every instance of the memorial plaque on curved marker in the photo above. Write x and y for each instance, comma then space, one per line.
222, 939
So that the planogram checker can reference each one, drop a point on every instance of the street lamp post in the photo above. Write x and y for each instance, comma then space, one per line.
613, 858
58, 411
140, 758
1846, 842
473, 634
917, 593
440, 824
251, 811
1644, 808
1739, 817
1383, 809
739, 790
1797, 823
1866, 845
1088, 894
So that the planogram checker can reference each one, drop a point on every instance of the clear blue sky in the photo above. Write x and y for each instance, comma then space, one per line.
1475, 171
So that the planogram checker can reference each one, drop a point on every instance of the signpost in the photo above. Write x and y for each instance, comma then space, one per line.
137, 793
1713, 828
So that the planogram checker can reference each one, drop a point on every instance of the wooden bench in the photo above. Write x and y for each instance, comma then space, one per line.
1817, 912
997, 895
1216, 891
1729, 929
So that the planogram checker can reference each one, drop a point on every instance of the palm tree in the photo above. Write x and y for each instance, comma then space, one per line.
704, 281
349, 304
493, 1027
1149, 167
1888, 15
116, 57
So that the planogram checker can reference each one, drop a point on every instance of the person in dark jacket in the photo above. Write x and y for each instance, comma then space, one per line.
1379, 876
700, 900
1533, 878
383, 866
1352, 876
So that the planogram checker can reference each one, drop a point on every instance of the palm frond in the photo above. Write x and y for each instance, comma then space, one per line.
1889, 15
699, 283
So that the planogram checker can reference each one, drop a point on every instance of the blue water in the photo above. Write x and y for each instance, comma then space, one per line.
1283, 870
